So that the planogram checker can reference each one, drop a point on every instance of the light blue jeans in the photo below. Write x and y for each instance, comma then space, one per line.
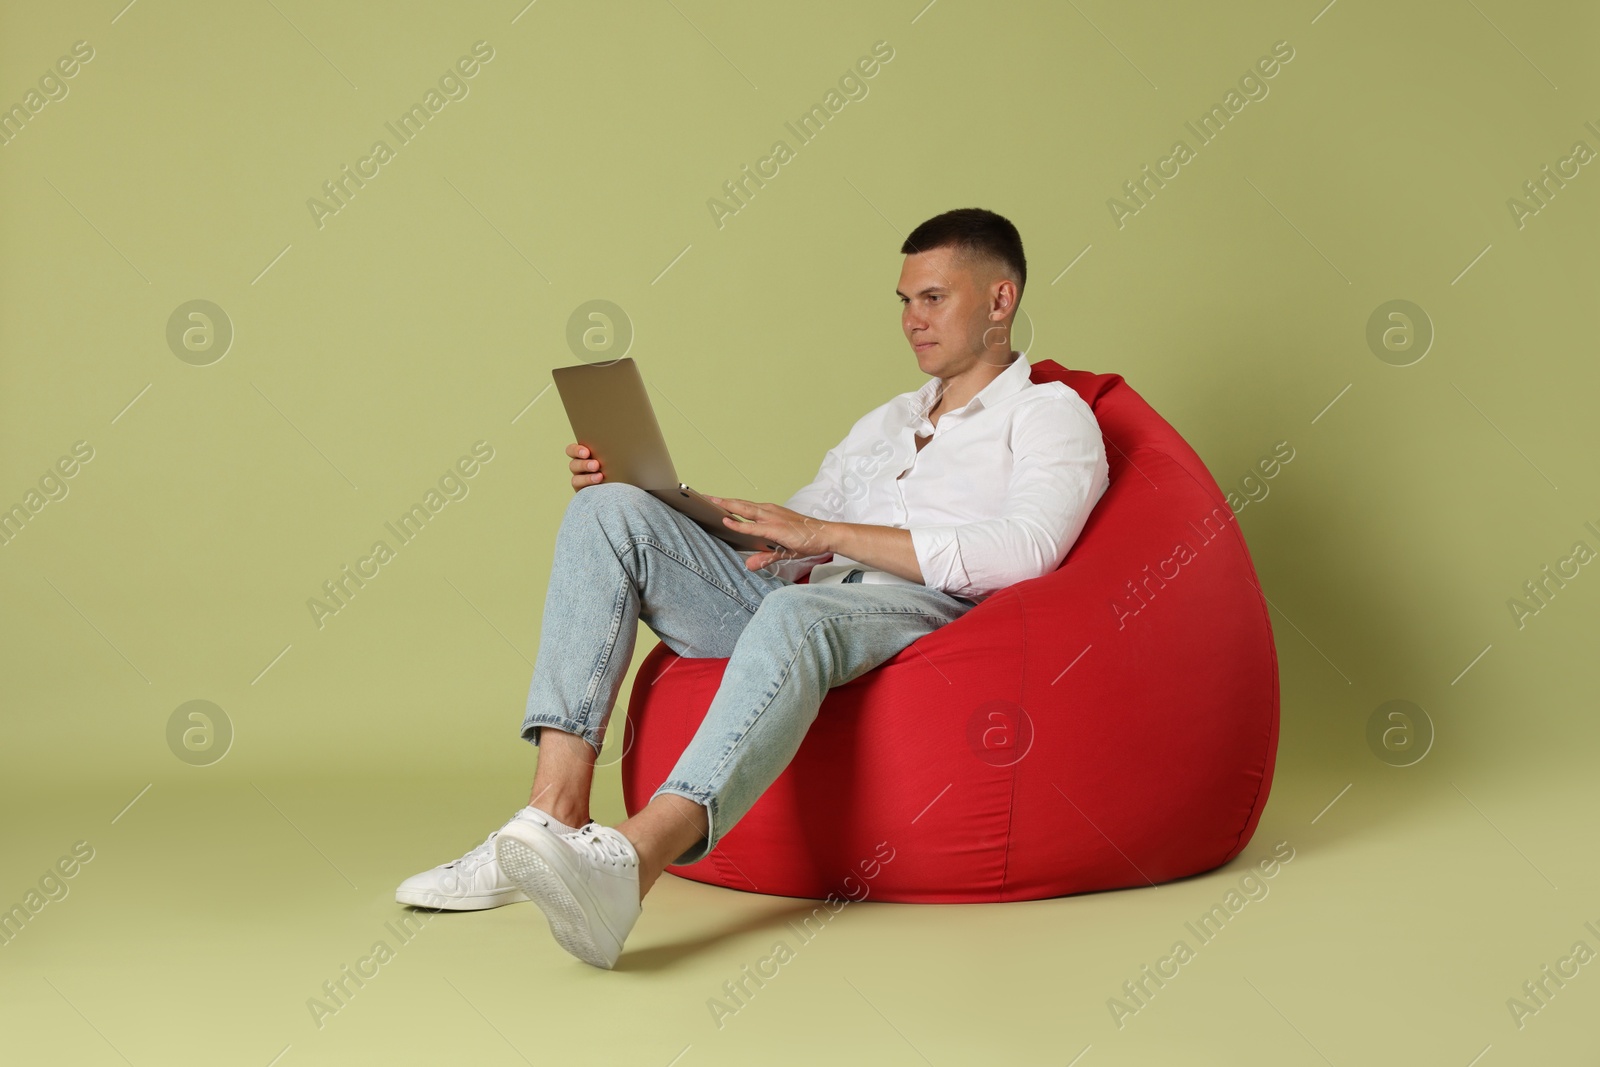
623, 556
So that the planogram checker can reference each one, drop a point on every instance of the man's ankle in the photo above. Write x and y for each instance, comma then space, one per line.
565, 814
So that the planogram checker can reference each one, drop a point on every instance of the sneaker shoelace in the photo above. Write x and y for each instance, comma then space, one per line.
477, 857
612, 849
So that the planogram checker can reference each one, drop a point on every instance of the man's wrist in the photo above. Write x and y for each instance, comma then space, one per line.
833, 537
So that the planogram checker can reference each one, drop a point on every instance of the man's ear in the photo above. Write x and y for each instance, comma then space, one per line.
1004, 299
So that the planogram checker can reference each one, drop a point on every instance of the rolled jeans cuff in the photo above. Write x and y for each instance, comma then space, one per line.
532, 724
702, 849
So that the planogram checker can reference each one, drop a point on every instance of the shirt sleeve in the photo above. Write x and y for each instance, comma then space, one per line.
1059, 472
823, 498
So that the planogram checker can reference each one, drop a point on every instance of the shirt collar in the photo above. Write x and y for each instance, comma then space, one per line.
1013, 379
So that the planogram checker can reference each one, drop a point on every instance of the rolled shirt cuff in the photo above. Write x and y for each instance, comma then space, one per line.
792, 570
938, 551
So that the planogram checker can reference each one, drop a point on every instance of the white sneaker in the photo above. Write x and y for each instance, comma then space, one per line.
474, 881
586, 883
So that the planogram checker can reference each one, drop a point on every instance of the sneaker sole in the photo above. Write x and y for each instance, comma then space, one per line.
418, 898
569, 924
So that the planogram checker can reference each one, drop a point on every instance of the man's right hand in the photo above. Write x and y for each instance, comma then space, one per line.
585, 468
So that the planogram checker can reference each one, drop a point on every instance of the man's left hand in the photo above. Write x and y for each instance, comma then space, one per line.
799, 535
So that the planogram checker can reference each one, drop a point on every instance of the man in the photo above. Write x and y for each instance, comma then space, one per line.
932, 502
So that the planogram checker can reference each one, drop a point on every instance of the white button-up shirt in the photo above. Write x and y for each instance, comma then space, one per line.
997, 496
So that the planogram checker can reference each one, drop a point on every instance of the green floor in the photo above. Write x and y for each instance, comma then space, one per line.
213, 911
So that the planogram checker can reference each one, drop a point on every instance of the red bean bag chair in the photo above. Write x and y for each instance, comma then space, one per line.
1113, 723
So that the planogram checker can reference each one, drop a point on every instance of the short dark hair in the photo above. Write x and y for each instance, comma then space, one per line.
975, 232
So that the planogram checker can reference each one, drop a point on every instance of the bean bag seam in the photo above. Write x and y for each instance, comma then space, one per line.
1011, 801
1272, 649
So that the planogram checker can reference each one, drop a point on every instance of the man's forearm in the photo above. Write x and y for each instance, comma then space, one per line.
887, 548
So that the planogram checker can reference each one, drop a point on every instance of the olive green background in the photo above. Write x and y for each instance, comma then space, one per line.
371, 352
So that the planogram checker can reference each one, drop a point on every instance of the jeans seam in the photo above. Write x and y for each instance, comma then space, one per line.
751, 720
586, 706
605, 655
645, 539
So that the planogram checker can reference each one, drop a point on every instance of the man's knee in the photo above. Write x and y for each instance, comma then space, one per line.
610, 499
605, 494
620, 515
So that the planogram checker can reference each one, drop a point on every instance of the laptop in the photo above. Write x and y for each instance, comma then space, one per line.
611, 415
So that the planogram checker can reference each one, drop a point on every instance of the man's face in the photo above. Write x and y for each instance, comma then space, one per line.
946, 307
